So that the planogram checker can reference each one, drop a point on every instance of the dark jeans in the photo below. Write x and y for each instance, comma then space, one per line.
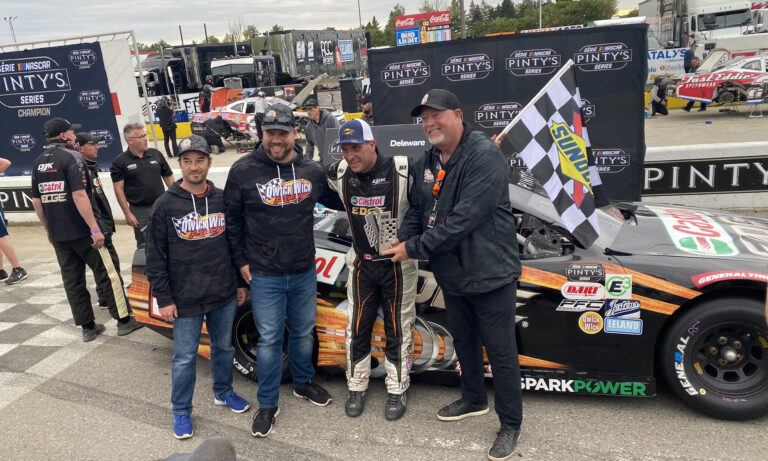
488, 319
658, 107
691, 103
142, 216
73, 256
169, 135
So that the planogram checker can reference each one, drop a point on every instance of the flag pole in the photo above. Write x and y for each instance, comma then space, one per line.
541, 93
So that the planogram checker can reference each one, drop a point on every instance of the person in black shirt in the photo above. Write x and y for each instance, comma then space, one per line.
374, 190
366, 107
215, 129
88, 146
165, 109
62, 199
138, 175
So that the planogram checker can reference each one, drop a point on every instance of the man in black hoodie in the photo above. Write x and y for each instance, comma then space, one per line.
165, 110
270, 196
193, 279
319, 120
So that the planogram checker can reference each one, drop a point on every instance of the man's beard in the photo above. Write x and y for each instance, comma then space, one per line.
273, 152
436, 139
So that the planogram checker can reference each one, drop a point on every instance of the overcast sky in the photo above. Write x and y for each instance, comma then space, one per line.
160, 19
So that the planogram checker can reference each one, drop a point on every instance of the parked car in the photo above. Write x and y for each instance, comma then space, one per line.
728, 82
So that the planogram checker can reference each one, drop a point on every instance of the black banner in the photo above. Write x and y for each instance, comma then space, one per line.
39, 84
496, 77
408, 140
706, 176
16, 199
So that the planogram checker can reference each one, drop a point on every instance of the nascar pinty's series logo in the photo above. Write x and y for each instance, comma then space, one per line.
92, 99
604, 56
23, 142
467, 67
279, 192
497, 114
523, 63
406, 73
83, 58
611, 160
696, 233
196, 227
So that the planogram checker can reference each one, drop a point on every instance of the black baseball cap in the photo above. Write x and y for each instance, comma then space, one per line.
311, 102
438, 99
366, 97
194, 143
86, 137
58, 125
278, 117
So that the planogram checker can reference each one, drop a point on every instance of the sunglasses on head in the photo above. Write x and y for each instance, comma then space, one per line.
280, 119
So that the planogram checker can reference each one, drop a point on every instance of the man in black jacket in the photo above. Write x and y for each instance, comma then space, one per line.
165, 110
319, 120
215, 129
193, 278
374, 189
466, 229
270, 196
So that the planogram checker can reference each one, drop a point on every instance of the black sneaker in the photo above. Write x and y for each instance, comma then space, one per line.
89, 334
3, 275
355, 403
461, 409
263, 421
702, 109
314, 393
128, 327
395, 407
17, 275
686, 108
505, 443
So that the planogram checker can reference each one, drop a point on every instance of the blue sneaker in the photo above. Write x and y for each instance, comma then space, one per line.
182, 427
235, 402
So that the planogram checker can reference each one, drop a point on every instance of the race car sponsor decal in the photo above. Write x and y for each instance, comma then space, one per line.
194, 226
367, 201
579, 386
328, 265
624, 308
695, 233
579, 305
428, 176
279, 192
50, 187
585, 272
582, 290
708, 278
623, 326
591, 323
680, 368
618, 286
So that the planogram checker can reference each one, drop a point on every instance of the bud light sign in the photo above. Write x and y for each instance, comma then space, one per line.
408, 37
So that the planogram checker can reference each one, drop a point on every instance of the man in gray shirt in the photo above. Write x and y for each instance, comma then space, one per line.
319, 120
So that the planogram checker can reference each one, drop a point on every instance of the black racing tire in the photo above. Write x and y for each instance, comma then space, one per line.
714, 357
245, 337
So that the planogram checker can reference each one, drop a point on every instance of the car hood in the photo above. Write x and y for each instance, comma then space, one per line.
675, 230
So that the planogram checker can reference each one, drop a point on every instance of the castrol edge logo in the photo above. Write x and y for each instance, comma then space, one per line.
695, 233
408, 73
603, 56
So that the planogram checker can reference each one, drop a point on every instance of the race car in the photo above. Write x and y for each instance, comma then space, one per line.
666, 292
239, 115
728, 82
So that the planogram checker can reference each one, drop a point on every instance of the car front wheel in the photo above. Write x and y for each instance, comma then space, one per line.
245, 338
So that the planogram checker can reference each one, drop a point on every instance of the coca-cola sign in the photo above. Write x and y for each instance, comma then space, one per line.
437, 18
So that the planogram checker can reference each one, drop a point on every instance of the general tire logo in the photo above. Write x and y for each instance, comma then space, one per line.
585, 273
467, 67
523, 63
494, 115
92, 99
23, 142
604, 56
588, 111
83, 58
36, 81
611, 160
408, 73
106, 137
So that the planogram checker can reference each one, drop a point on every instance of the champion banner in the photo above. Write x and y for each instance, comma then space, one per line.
495, 77
551, 141
39, 84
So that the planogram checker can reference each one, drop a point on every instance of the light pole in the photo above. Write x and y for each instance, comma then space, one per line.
359, 15
9, 20
539, 14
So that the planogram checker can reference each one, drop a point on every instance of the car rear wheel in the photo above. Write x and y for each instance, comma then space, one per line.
245, 338
715, 358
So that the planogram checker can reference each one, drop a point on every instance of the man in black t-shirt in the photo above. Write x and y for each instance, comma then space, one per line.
138, 175
61, 198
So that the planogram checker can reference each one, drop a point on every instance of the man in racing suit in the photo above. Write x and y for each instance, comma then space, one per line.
374, 190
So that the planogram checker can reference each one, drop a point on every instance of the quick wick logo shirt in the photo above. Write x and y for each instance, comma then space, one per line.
279, 192
196, 227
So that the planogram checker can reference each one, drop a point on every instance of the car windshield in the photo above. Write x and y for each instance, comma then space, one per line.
528, 196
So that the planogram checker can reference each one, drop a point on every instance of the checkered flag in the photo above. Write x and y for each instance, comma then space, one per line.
549, 138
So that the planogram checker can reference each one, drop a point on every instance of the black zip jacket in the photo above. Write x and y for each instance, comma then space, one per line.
188, 259
472, 248
269, 211
100, 201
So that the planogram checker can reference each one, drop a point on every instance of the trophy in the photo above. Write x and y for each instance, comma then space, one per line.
381, 231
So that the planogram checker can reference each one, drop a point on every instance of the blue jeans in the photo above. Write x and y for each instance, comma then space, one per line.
186, 339
277, 301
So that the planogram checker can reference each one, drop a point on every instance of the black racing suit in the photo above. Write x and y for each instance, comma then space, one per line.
375, 281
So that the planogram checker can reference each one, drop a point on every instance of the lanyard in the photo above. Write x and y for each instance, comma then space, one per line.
436, 195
